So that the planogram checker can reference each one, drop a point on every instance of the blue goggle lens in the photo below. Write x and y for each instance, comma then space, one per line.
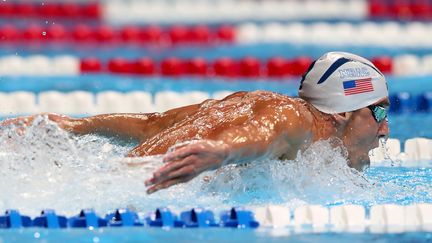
378, 112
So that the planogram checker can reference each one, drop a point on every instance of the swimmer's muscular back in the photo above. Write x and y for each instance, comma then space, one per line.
252, 123
266, 122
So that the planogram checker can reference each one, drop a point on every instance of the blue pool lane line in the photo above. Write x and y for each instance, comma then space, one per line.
13, 219
49, 219
162, 217
385, 218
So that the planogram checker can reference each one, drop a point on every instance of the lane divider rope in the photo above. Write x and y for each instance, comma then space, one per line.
386, 218
84, 102
247, 67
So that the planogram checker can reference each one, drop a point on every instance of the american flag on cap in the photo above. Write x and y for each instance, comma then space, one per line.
358, 86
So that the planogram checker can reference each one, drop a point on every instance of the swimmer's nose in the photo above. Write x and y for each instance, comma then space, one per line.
383, 130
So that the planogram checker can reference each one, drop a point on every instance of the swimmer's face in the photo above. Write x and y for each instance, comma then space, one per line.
362, 134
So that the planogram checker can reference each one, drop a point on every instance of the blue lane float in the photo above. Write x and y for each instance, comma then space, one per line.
162, 217
197, 218
334, 219
238, 218
424, 102
49, 219
123, 217
13, 219
87, 218
404, 102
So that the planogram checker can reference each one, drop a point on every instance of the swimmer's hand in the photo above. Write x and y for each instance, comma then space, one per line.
187, 162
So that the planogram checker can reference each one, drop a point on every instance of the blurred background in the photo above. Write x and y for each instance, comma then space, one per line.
90, 57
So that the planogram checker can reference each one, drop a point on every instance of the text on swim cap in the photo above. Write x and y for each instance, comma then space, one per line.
354, 73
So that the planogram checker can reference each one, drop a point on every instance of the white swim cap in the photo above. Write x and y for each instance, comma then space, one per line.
341, 82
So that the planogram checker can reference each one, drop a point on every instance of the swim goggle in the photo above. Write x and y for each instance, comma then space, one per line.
379, 112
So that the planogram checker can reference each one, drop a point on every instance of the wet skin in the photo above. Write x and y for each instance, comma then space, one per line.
240, 128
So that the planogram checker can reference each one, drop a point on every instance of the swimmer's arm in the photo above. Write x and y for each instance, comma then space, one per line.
138, 126
129, 126
124, 125
269, 134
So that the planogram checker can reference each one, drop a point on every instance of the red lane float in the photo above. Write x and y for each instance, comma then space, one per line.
401, 9
199, 34
226, 33
82, 33
104, 33
33, 33
56, 33
298, 66
47, 9
8, 33
152, 34
225, 67
276, 67
383, 63
130, 34
250, 67
90, 65
197, 66
247, 67
172, 66
144, 66
119, 65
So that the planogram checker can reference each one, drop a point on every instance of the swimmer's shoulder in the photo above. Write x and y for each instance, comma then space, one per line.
238, 94
279, 98
267, 97
255, 95
251, 94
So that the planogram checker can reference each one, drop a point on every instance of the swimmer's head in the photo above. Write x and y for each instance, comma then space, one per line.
341, 82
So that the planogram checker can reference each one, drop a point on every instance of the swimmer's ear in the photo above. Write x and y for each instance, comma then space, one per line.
341, 118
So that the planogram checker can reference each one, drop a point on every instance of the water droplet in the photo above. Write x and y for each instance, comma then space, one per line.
46, 22
44, 33
95, 239
36, 235
385, 149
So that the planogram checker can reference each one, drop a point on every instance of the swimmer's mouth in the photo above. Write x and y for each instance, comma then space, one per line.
382, 137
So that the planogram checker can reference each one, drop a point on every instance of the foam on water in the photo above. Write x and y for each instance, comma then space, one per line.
46, 167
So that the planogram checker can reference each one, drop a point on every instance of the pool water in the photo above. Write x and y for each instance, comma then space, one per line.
46, 167
49, 168
196, 235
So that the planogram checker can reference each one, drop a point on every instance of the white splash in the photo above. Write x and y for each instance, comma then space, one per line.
46, 167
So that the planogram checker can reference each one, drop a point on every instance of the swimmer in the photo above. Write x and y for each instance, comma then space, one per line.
341, 95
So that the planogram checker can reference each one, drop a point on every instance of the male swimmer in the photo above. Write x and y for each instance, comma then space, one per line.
342, 95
